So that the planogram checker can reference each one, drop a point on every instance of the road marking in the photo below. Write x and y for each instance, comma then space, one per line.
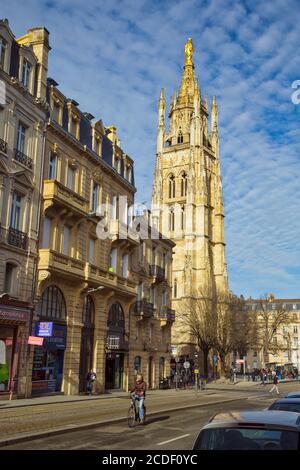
171, 440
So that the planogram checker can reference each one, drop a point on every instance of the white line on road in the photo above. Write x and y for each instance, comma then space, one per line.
171, 440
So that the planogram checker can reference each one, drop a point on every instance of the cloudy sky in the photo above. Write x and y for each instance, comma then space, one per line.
114, 56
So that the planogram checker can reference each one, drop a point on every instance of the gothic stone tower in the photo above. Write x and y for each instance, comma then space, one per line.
187, 200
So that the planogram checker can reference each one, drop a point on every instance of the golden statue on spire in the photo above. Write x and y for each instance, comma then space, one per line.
188, 52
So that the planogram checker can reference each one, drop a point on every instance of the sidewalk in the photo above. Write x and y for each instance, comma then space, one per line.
23, 422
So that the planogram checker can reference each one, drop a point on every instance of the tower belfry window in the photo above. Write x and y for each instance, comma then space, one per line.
180, 138
171, 186
183, 184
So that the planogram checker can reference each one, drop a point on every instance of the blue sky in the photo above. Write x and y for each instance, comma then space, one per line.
114, 56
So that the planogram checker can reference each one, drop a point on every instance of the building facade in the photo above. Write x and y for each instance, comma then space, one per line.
23, 108
151, 315
284, 345
187, 200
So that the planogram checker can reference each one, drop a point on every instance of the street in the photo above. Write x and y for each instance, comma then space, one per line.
170, 430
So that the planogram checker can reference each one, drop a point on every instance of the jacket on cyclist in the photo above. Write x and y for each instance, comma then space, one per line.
139, 388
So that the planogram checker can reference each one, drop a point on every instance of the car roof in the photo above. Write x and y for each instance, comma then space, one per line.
265, 417
288, 400
291, 394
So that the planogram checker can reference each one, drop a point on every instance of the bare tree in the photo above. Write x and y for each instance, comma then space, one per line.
270, 316
198, 318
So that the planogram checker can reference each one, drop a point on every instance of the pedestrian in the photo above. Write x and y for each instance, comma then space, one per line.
263, 377
275, 387
90, 380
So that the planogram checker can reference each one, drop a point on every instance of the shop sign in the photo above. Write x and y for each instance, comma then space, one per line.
44, 328
58, 340
9, 314
35, 341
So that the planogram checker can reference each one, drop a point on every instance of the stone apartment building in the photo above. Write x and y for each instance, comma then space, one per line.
286, 335
23, 108
71, 268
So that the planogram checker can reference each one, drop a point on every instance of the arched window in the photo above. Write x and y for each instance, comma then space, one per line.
116, 317
172, 220
171, 186
180, 137
52, 304
183, 184
88, 311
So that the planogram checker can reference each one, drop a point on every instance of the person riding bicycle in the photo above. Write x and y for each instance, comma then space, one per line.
138, 393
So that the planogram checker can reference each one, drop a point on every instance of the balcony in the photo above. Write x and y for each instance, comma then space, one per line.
120, 232
143, 308
157, 272
60, 197
24, 159
17, 238
116, 343
167, 314
3, 146
54, 261
96, 276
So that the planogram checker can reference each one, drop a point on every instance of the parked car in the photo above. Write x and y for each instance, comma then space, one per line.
286, 404
292, 395
251, 430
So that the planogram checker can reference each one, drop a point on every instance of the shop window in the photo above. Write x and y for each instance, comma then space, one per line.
6, 356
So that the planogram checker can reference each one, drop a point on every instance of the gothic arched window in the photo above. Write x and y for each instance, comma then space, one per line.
171, 186
172, 219
182, 217
180, 137
184, 184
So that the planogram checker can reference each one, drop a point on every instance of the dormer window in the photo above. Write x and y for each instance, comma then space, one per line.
26, 73
3, 46
118, 164
57, 112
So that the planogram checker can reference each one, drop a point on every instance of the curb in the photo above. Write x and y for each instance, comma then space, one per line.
95, 424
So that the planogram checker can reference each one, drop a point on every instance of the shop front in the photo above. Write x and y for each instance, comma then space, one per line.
116, 347
13, 326
48, 361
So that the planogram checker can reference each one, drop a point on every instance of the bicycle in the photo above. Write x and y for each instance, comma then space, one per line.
133, 416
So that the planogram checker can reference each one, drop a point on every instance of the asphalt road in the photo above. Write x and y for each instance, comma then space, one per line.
170, 431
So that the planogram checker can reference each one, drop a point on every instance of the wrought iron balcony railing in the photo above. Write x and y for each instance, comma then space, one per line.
17, 238
142, 307
157, 272
24, 159
3, 146
167, 313
117, 343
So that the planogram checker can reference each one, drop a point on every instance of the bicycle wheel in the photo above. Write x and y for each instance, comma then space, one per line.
131, 417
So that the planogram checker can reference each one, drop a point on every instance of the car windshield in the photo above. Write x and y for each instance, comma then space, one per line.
246, 439
286, 407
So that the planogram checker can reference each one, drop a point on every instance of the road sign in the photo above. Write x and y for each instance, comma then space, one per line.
240, 361
196, 371
186, 365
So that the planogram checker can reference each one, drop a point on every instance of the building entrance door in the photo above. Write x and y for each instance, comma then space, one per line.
114, 371
86, 356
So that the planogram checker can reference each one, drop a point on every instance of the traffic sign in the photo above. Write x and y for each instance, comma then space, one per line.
240, 361
186, 365
196, 371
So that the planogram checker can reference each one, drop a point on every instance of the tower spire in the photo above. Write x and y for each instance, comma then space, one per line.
188, 82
